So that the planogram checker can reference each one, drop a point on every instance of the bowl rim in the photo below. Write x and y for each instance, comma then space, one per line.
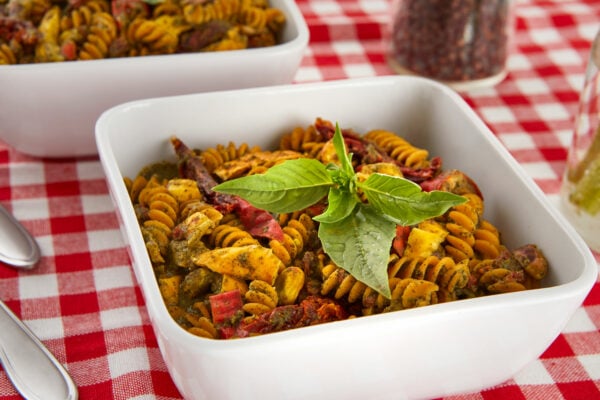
579, 286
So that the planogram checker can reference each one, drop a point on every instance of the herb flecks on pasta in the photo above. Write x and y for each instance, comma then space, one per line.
227, 269
37, 31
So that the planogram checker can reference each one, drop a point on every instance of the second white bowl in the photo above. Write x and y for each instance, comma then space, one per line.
49, 109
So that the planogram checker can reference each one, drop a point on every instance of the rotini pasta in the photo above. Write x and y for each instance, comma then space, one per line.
7, 56
215, 157
260, 298
231, 236
222, 277
297, 233
487, 240
167, 7
156, 36
406, 293
399, 149
451, 277
251, 163
303, 140
340, 284
225, 10
36, 31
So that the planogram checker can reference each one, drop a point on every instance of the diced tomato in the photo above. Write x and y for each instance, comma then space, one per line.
399, 242
69, 50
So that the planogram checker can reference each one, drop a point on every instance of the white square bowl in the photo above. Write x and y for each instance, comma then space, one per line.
49, 109
426, 352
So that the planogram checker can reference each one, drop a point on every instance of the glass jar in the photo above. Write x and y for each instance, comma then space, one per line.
580, 189
463, 43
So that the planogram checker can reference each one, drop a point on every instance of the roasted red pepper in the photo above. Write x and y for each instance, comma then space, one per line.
226, 309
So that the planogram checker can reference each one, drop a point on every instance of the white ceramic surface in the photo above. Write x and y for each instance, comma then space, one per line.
426, 352
49, 110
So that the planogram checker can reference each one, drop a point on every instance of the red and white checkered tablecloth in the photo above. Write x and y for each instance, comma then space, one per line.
83, 302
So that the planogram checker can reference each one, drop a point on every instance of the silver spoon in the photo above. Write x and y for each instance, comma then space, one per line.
17, 247
33, 370
30, 366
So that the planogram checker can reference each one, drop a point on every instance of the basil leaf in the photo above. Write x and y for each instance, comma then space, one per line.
403, 201
290, 186
340, 205
340, 149
360, 244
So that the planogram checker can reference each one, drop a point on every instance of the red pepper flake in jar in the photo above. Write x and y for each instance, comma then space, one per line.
461, 42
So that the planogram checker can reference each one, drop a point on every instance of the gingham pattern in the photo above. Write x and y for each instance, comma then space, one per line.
83, 301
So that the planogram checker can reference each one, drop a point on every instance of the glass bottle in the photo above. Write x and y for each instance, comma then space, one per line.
463, 43
580, 189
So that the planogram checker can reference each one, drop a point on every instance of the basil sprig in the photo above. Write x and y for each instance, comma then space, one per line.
356, 235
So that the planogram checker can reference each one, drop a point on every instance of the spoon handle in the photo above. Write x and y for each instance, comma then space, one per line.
30, 366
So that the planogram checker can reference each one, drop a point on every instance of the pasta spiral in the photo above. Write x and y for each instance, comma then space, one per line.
135, 186
230, 236
254, 17
225, 10
7, 56
341, 284
159, 36
157, 212
260, 298
487, 240
406, 293
399, 149
167, 7
275, 19
214, 157
296, 234
254, 162
308, 141
194, 321
450, 277
462, 221
202, 326
81, 16
161, 206
102, 31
